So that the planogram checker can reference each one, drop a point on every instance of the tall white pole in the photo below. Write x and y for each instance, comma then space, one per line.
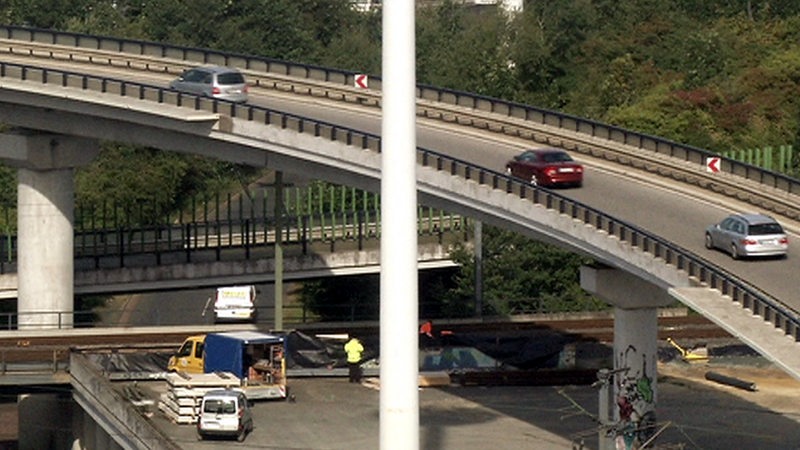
278, 286
399, 363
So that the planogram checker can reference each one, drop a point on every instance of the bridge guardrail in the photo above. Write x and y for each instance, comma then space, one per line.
780, 315
588, 127
23, 359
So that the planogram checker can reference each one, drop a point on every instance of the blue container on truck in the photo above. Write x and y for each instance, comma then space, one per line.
257, 359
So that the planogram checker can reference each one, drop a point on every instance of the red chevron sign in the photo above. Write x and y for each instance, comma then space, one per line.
712, 164
361, 81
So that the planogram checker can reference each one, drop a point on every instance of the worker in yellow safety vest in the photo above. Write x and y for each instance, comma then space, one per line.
354, 349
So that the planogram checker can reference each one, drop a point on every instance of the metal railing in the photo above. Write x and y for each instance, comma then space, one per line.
24, 360
588, 127
295, 314
780, 315
172, 243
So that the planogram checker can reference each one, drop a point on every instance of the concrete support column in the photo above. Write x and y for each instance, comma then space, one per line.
44, 422
45, 264
629, 389
635, 389
45, 261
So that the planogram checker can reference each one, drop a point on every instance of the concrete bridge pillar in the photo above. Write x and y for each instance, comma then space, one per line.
44, 421
629, 390
45, 247
635, 388
45, 203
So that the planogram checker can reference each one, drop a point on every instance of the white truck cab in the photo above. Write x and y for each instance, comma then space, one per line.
235, 303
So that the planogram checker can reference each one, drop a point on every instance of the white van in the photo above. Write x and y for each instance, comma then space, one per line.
224, 412
235, 303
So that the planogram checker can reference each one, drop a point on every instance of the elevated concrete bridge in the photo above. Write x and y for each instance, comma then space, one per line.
640, 214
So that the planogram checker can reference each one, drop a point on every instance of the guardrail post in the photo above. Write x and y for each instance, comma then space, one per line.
218, 247
156, 239
304, 232
121, 246
246, 238
188, 242
361, 230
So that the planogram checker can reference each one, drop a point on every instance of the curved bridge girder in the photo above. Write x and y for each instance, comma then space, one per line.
225, 135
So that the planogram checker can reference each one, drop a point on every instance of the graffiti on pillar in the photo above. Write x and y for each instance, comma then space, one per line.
635, 401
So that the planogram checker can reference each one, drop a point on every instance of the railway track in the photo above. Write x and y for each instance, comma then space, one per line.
52, 350
597, 329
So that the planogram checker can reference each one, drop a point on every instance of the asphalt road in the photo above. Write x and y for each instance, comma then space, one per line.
179, 308
332, 414
618, 190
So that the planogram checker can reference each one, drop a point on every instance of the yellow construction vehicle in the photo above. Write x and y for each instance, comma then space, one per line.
698, 354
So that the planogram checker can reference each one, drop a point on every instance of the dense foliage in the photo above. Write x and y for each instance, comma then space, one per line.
142, 186
519, 276
356, 297
718, 74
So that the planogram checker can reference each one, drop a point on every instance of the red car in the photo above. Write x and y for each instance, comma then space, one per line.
546, 167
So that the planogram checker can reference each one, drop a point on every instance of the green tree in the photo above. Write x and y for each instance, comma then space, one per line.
144, 186
43, 13
295, 30
273, 28
545, 43
118, 18
520, 275
464, 50
343, 297
357, 47
346, 298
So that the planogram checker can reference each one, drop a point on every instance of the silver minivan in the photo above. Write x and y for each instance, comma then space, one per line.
224, 413
224, 83
744, 235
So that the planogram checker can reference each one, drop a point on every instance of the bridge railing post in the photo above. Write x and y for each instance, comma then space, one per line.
246, 236
305, 234
156, 246
188, 242
361, 230
121, 246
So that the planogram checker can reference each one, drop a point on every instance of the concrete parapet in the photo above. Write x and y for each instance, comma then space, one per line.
117, 417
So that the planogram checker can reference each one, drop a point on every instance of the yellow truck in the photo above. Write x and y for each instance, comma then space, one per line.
257, 359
